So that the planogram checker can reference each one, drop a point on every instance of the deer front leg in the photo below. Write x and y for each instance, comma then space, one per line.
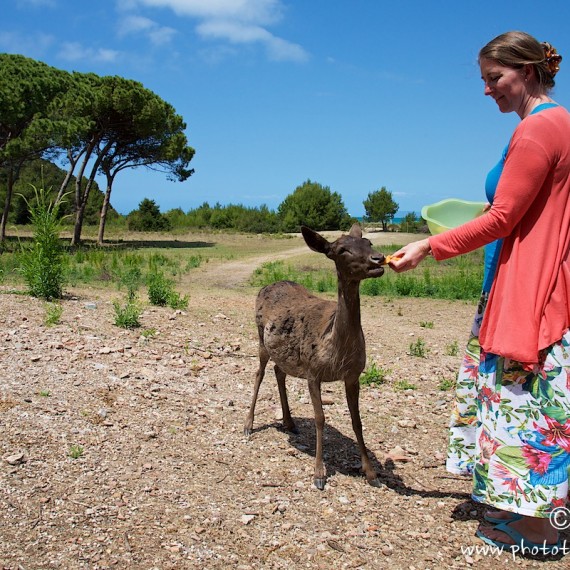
320, 472
352, 390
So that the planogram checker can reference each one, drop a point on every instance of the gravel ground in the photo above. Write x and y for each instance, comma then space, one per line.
125, 449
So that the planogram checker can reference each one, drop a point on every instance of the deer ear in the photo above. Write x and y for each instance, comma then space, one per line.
355, 231
315, 241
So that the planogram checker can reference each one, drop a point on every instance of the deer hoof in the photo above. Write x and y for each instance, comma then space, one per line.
247, 431
320, 482
376, 482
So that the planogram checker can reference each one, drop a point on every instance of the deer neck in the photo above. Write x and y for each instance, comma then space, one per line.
348, 307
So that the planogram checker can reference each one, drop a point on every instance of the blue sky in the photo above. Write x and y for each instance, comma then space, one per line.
354, 95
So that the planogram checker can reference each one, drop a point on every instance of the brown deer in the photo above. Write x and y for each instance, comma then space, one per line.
317, 339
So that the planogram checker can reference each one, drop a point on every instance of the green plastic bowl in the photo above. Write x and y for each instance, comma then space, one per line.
450, 213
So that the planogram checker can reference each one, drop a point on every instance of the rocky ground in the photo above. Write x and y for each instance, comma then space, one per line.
125, 449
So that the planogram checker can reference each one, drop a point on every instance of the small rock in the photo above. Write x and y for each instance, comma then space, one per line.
246, 519
398, 454
14, 458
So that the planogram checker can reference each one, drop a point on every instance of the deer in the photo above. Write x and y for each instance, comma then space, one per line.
318, 339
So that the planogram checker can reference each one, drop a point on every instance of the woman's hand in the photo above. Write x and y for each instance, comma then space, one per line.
410, 255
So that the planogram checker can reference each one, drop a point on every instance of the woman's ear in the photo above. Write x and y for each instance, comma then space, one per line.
528, 71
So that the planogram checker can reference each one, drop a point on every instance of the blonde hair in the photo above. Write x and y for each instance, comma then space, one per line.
517, 49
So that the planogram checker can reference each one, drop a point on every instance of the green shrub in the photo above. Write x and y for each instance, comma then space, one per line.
159, 289
42, 265
127, 316
161, 292
131, 278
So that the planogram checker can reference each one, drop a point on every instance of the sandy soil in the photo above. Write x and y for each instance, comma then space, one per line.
125, 449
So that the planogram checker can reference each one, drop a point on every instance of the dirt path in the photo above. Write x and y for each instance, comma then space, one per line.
235, 274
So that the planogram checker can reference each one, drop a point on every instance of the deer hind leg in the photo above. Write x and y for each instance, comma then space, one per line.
320, 471
263, 360
352, 390
287, 419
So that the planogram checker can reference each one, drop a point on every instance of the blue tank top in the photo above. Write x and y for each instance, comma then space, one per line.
493, 249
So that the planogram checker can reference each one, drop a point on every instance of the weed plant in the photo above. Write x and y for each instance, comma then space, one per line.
404, 385
446, 384
373, 375
75, 451
161, 292
419, 348
159, 289
127, 316
42, 264
452, 349
131, 278
53, 314
149, 333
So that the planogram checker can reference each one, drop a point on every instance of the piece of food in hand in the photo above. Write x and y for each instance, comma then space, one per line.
390, 258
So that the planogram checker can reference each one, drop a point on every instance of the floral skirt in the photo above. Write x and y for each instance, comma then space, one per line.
510, 427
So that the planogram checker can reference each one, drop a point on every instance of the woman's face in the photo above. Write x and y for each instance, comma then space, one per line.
507, 86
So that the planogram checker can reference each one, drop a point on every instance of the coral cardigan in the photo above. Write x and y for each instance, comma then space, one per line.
528, 307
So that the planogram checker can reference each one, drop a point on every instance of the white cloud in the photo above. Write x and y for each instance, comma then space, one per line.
240, 33
73, 51
141, 25
134, 24
260, 11
237, 22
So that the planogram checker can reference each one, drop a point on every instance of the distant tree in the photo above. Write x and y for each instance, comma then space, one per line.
380, 207
147, 218
410, 223
151, 135
313, 205
200, 217
177, 218
27, 90
260, 220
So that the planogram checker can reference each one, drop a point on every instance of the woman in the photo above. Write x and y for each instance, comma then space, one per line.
520, 371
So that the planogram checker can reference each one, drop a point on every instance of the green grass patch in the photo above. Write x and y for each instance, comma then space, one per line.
404, 385
458, 278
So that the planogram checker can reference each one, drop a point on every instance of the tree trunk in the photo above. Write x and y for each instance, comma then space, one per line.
82, 198
7, 203
80, 209
72, 164
104, 209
